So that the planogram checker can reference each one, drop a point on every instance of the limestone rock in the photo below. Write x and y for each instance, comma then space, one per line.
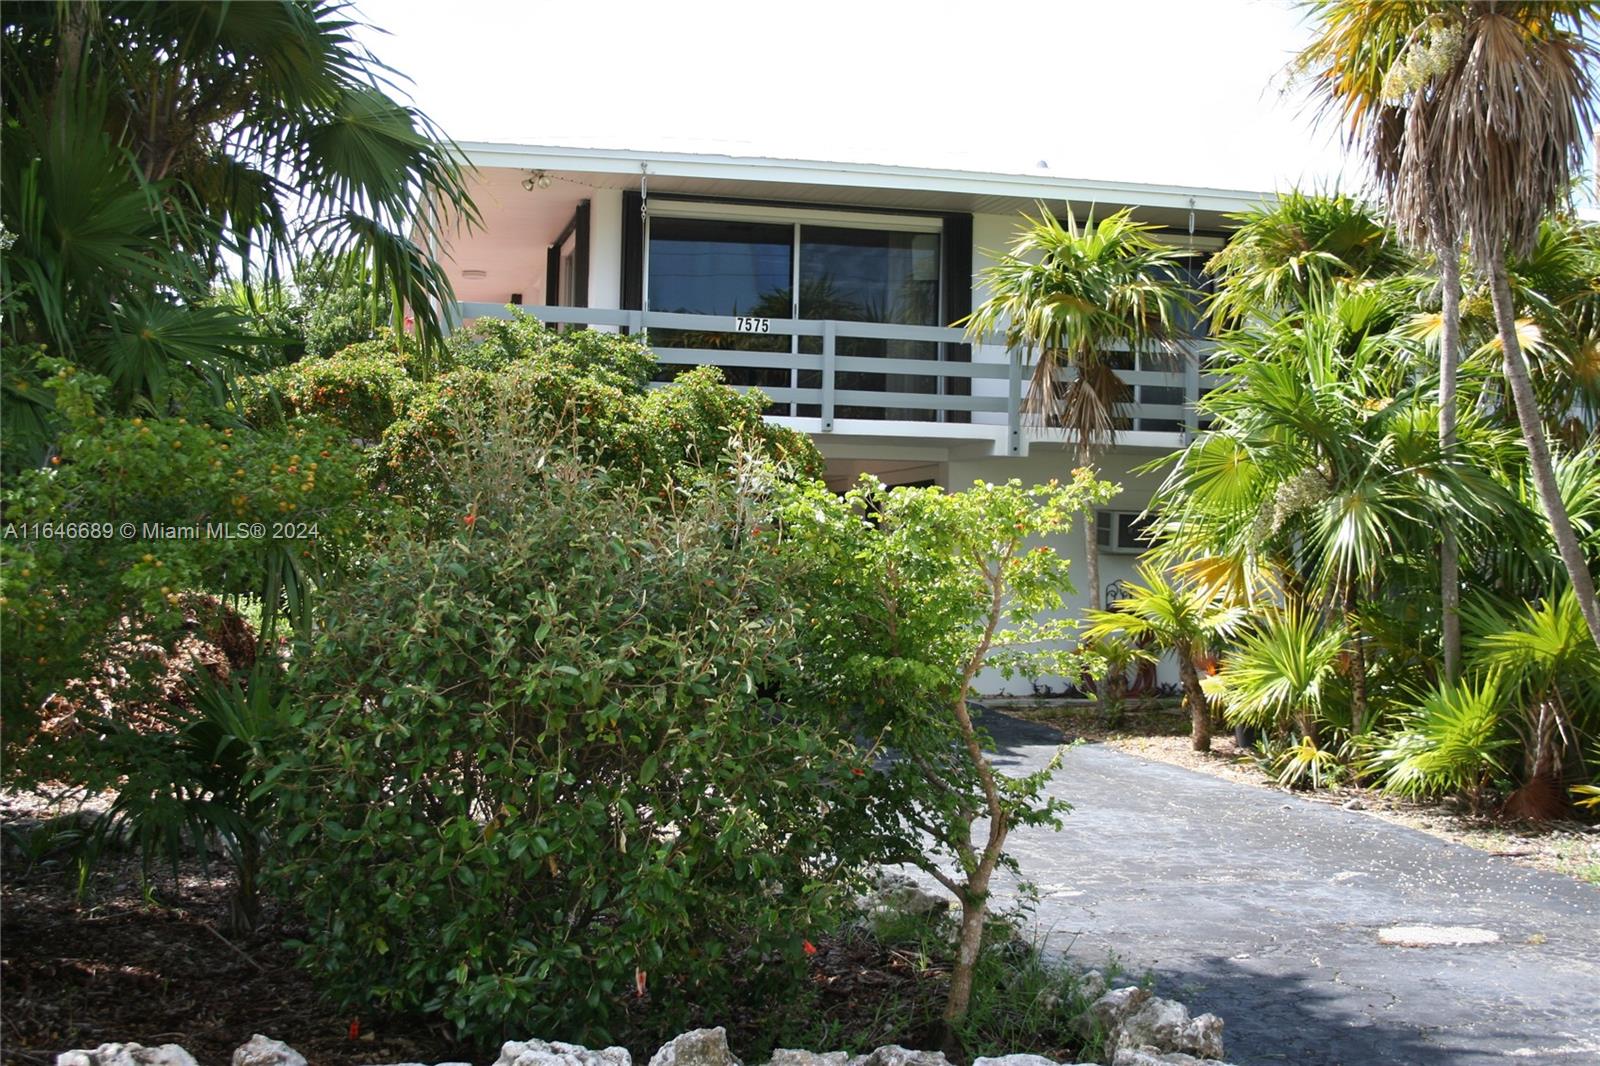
1015, 1060
1149, 1056
129, 1055
898, 894
790, 1057
1165, 1024
895, 1055
265, 1051
554, 1053
698, 1047
1108, 1010
1091, 985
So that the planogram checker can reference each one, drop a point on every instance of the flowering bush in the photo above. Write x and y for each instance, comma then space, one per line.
542, 767
130, 513
361, 392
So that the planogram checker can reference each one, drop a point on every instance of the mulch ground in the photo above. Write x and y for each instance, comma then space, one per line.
120, 965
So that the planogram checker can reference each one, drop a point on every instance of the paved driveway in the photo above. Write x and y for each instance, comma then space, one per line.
1265, 909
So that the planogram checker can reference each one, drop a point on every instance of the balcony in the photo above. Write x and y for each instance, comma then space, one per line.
982, 418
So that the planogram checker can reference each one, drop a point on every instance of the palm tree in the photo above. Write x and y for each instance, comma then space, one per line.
1282, 672
1475, 116
148, 147
1075, 296
1174, 617
1292, 251
1356, 62
1321, 475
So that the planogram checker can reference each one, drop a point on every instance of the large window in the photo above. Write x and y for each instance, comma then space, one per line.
863, 275
847, 272
714, 267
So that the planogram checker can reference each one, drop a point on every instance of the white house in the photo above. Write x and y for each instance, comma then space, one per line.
831, 286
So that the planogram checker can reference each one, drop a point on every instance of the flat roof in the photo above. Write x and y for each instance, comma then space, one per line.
629, 164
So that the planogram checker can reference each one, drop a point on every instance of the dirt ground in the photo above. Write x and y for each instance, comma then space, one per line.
126, 961
1160, 731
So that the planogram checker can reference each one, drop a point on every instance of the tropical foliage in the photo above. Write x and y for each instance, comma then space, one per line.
1073, 301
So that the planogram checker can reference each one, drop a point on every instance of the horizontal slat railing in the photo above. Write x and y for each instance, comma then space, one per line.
990, 363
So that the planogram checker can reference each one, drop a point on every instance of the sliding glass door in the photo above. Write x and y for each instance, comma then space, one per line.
714, 267
800, 269
865, 275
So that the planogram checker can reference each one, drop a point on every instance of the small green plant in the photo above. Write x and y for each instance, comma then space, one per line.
1304, 765
1280, 672
1108, 656
196, 780
1454, 743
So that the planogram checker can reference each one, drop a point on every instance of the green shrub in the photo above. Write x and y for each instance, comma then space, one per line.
496, 343
102, 543
515, 378
540, 762
359, 391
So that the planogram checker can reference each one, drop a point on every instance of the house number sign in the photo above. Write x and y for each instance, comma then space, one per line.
741, 324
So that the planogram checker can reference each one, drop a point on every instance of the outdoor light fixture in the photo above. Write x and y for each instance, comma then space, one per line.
538, 179
474, 274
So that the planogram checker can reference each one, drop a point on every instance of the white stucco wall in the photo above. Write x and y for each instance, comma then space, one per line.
1043, 463
605, 248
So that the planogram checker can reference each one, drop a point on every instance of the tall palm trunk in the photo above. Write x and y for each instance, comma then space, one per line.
1194, 695
1449, 362
1358, 663
1091, 540
1539, 462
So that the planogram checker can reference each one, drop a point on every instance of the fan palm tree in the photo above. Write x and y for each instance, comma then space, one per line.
148, 147
1321, 475
1289, 252
1282, 672
1353, 62
1173, 617
1475, 117
1071, 298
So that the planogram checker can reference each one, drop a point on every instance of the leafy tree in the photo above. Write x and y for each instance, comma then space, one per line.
1175, 617
1072, 298
910, 594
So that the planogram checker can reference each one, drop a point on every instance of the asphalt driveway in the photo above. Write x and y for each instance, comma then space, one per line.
1265, 909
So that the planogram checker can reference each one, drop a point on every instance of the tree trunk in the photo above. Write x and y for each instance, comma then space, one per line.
1539, 461
974, 909
1358, 666
1091, 541
1199, 711
1449, 361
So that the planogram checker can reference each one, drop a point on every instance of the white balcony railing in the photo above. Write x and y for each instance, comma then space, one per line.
999, 404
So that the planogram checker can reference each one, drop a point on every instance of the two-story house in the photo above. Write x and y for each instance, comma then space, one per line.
831, 287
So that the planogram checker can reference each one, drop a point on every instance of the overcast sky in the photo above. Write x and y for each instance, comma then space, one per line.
1167, 91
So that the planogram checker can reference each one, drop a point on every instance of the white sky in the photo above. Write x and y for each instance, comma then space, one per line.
1165, 91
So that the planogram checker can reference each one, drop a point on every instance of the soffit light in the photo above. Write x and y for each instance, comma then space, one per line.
536, 179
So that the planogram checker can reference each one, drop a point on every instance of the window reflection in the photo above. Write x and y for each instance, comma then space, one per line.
733, 268
710, 267
861, 275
